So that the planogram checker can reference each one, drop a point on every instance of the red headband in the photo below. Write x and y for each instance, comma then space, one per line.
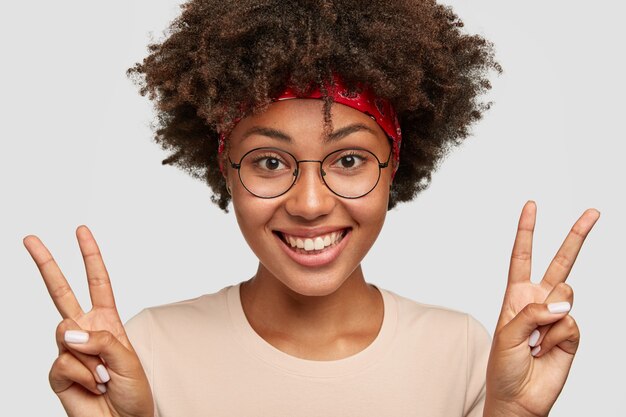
363, 100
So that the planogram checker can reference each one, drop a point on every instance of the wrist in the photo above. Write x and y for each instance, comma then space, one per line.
496, 408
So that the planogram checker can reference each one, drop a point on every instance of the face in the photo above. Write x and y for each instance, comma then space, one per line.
309, 209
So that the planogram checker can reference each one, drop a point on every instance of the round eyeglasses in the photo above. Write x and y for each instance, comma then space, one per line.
271, 172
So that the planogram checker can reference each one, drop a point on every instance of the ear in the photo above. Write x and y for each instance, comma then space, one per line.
227, 181
394, 170
229, 178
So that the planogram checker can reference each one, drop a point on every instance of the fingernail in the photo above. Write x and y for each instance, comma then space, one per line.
561, 307
76, 336
534, 338
102, 388
535, 350
103, 373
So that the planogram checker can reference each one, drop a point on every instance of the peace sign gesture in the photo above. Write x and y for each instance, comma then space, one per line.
97, 372
535, 338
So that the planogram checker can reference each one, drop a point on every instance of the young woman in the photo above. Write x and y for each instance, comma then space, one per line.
315, 118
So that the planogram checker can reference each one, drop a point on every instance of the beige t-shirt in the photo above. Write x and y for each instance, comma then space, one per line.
203, 358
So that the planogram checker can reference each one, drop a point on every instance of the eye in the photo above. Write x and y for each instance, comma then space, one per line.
268, 162
351, 160
348, 161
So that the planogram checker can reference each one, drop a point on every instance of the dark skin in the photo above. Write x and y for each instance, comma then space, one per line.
315, 334
256, 47
433, 89
73, 375
328, 312
325, 312
517, 384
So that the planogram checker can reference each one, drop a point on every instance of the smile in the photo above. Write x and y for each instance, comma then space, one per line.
314, 250
316, 243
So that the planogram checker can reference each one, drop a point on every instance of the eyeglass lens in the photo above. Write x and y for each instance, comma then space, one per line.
270, 172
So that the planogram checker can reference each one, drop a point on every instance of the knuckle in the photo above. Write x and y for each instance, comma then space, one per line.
63, 326
95, 254
577, 230
105, 338
66, 324
98, 281
522, 255
60, 330
62, 363
573, 331
60, 291
566, 289
529, 312
53, 376
570, 324
563, 261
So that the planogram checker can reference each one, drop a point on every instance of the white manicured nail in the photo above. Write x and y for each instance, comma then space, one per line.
76, 336
561, 307
534, 338
535, 350
103, 373
102, 388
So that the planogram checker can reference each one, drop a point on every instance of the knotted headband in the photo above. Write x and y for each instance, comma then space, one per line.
362, 99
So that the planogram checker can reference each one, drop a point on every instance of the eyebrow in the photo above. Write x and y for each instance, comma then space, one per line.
282, 136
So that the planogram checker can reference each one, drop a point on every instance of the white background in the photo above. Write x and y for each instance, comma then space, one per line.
76, 149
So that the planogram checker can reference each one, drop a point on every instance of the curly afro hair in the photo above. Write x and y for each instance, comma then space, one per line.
223, 59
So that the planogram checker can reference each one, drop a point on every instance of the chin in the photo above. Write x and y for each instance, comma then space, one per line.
311, 283
316, 288
320, 283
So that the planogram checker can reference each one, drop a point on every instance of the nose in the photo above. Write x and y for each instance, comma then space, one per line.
309, 198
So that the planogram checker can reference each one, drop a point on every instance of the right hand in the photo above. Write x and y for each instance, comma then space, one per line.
73, 376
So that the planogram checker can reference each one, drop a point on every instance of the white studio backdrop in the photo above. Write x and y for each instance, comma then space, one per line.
77, 149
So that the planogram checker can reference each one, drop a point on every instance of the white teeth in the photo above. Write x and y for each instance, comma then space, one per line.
316, 243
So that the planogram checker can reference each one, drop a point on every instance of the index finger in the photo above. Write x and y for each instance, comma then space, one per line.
58, 288
563, 261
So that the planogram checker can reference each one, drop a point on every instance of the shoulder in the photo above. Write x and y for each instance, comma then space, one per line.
447, 325
179, 318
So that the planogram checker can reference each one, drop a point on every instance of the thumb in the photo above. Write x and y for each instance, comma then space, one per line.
518, 330
103, 343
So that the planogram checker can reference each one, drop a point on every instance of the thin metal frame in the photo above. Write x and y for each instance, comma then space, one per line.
296, 173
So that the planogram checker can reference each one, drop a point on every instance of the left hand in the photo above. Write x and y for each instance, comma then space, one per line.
519, 383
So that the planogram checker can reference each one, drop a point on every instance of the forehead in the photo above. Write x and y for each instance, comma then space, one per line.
305, 118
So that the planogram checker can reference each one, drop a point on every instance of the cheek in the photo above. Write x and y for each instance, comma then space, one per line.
370, 211
252, 214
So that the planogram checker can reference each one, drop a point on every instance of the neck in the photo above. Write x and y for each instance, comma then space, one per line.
272, 308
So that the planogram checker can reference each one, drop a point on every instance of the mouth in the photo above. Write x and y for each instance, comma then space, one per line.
315, 250
312, 245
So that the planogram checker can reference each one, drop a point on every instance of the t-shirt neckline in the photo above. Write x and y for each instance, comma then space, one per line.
273, 356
